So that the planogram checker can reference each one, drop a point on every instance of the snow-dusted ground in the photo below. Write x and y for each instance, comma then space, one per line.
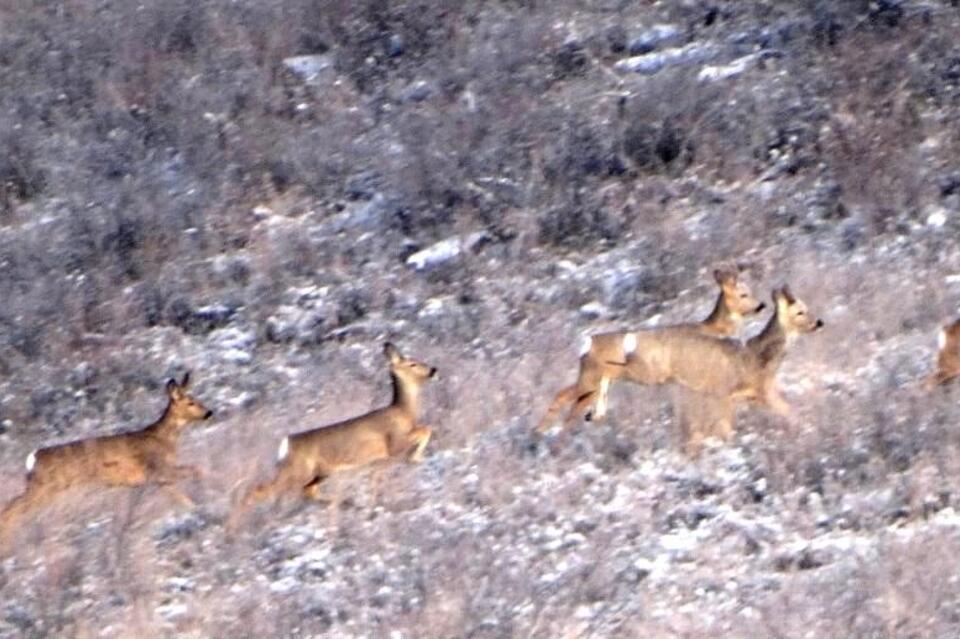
503, 538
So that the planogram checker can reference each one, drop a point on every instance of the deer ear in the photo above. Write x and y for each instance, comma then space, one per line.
172, 387
787, 294
186, 380
392, 353
723, 277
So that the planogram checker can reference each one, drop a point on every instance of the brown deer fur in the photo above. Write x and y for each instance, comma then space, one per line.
307, 458
131, 459
724, 369
948, 356
734, 302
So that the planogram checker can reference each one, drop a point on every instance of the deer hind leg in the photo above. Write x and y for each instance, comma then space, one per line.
285, 480
32, 498
938, 378
565, 397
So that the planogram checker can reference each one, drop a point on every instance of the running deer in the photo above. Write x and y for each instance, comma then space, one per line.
128, 459
948, 356
305, 459
734, 303
726, 370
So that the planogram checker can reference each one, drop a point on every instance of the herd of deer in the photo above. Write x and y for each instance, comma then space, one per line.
704, 357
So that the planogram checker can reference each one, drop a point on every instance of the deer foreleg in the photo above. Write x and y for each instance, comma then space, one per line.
311, 490
600, 408
565, 397
584, 401
181, 497
776, 402
167, 479
420, 437
725, 421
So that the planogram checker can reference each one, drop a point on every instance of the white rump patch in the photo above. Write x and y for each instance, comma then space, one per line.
601, 409
629, 343
31, 461
586, 343
284, 449
942, 338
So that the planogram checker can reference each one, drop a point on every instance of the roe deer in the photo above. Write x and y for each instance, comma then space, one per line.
722, 368
948, 356
734, 302
134, 458
305, 459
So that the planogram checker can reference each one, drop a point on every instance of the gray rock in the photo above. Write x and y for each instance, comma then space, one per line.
234, 344
360, 216
396, 45
417, 91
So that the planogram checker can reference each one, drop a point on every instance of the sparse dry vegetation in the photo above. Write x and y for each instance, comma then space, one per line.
263, 192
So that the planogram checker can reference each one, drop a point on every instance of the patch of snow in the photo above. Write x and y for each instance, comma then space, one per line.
652, 63
172, 611
680, 542
445, 250
723, 71
285, 585
309, 67
433, 306
937, 218
180, 584
594, 310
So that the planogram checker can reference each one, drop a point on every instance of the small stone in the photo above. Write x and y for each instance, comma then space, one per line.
395, 46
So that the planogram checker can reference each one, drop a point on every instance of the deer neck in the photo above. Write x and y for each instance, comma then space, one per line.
722, 321
168, 427
406, 396
769, 346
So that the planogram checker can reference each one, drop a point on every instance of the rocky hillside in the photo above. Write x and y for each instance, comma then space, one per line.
263, 192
